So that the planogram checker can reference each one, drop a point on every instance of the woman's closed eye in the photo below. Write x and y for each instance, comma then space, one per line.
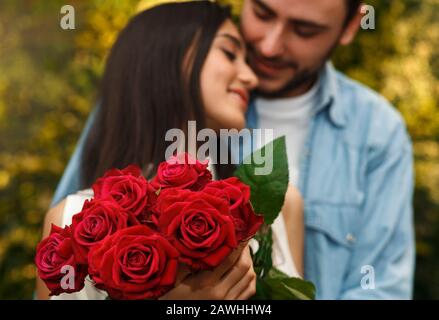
229, 54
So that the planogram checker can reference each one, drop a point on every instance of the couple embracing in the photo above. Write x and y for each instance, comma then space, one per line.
349, 204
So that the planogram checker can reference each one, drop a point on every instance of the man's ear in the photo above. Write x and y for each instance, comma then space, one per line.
352, 28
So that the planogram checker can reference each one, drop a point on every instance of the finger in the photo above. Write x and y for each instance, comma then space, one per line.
244, 254
183, 273
236, 273
181, 291
213, 277
249, 292
219, 272
242, 285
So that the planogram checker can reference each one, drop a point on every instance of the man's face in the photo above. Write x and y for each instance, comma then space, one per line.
290, 40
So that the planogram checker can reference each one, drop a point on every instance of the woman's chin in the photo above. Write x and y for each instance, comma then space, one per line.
236, 119
232, 121
237, 123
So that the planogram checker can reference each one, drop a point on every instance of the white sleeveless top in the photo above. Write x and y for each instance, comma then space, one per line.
281, 255
73, 205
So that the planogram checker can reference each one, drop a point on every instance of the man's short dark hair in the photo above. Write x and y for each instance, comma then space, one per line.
352, 6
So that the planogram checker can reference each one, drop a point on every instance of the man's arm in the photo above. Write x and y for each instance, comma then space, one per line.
383, 258
70, 181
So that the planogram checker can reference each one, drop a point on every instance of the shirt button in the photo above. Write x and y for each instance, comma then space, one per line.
350, 238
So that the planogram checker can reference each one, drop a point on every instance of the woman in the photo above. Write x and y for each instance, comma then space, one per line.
171, 64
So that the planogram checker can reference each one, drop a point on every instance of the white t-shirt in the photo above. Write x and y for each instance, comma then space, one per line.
289, 117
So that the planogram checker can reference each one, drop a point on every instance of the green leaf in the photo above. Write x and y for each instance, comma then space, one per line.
275, 273
303, 290
283, 287
276, 285
262, 290
267, 190
267, 197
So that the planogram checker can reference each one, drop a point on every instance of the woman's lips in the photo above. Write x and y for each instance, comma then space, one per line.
243, 94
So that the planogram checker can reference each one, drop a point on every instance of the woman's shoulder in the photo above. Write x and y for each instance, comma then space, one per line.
54, 216
61, 213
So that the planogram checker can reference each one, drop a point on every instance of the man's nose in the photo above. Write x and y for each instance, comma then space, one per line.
271, 45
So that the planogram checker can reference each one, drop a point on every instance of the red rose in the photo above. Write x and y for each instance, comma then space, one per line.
127, 187
134, 263
54, 255
183, 172
247, 223
237, 194
99, 218
198, 225
149, 216
232, 190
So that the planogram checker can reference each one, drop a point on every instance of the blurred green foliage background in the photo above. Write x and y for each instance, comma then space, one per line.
48, 83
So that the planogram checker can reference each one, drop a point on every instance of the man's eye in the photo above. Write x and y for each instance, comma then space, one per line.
305, 32
230, 55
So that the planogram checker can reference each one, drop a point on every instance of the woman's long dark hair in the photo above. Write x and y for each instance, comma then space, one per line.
151, 84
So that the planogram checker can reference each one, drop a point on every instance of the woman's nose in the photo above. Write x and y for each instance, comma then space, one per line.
248, 77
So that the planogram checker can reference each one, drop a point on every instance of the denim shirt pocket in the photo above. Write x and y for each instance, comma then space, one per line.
338, 222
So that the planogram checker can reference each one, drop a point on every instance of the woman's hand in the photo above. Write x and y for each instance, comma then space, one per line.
234, 279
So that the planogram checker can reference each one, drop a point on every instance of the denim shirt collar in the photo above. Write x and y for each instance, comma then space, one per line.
328, 98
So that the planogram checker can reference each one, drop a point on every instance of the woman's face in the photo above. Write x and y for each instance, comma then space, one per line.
226, 80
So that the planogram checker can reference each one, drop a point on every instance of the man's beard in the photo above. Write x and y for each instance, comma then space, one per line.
300, 80
303, 78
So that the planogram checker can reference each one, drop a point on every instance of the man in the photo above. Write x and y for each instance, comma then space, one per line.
355, 168
356, 171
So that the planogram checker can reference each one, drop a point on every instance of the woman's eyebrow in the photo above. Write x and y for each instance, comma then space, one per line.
232, 38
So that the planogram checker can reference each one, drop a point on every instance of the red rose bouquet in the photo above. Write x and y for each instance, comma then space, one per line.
133, 235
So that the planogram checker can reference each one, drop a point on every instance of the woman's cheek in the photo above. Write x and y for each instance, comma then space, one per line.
216, 78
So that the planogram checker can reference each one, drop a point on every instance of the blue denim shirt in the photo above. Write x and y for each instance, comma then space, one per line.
356, 178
